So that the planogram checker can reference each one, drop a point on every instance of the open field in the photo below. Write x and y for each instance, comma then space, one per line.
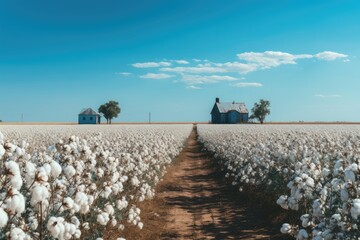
90, 181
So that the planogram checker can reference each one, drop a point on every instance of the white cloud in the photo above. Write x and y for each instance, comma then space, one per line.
330, 56
151, 64
270, 59
181, 61
195, 70
327, 96
193, 87
124, 73
200, 79
242, 68
156, 76
203, 71
246, 84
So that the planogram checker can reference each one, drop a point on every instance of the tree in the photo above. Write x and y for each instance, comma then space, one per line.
110, 110
260, 110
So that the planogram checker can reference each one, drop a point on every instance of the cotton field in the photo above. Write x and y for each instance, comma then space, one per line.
311, 169
73, 182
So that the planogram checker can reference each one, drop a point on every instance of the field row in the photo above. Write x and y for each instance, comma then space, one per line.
78, 181
312, 169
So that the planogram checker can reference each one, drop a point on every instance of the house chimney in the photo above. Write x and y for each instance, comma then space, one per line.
217, 100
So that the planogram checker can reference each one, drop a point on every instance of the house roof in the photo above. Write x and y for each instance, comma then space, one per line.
88, 111
225, 107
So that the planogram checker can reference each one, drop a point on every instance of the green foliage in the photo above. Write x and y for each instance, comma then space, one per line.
110, 110
260, 110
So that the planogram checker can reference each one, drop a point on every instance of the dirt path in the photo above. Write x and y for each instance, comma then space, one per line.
200, 205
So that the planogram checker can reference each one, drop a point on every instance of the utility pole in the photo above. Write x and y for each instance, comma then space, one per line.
149, 117
22, 117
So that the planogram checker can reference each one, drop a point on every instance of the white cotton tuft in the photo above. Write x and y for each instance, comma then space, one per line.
103, 218
286, 228
355, 209
3, 218
15, 203
55, 169
69, 171
38, 194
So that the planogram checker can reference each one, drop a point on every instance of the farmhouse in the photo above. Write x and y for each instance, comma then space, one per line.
89, 116
226, 112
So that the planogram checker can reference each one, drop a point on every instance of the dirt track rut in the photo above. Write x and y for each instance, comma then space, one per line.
201, 205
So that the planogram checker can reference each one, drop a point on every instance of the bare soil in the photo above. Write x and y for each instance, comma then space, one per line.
194, 201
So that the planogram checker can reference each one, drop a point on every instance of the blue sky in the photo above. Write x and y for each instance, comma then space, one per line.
172, 58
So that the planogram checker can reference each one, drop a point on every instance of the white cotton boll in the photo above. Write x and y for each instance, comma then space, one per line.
302, 234
39, 193
55, 169
286, 228
325, 172
3, 218
140, 225
327, 235
41, 175
324, 193
51, 149
117, 188
305, 220
2, 150
30, 170
293, 203
47, 168
121, 204
106, 193
18, 234
68, 203
310, 182
10, 147
349, 175
103, 218
135, 181
86, 226
109, 209
69, 171
82, 200
75, 221
335, 219
344, 195
120, 238
113, 222
13, 173
121, 227
16, 203
77, 234
100, 172
16, 182
282, 201
355, 209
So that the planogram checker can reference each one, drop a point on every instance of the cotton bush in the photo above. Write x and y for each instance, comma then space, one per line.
311, 169
72, 182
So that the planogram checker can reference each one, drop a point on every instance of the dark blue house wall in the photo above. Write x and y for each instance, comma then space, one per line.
88, 119
244, 117
233, 117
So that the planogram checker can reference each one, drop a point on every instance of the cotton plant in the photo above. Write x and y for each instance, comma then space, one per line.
312, 170
75, 186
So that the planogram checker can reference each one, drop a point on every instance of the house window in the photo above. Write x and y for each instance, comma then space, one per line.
83, 118
90, 118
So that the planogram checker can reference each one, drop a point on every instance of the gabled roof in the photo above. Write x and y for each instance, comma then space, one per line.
225, 107
88, 111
